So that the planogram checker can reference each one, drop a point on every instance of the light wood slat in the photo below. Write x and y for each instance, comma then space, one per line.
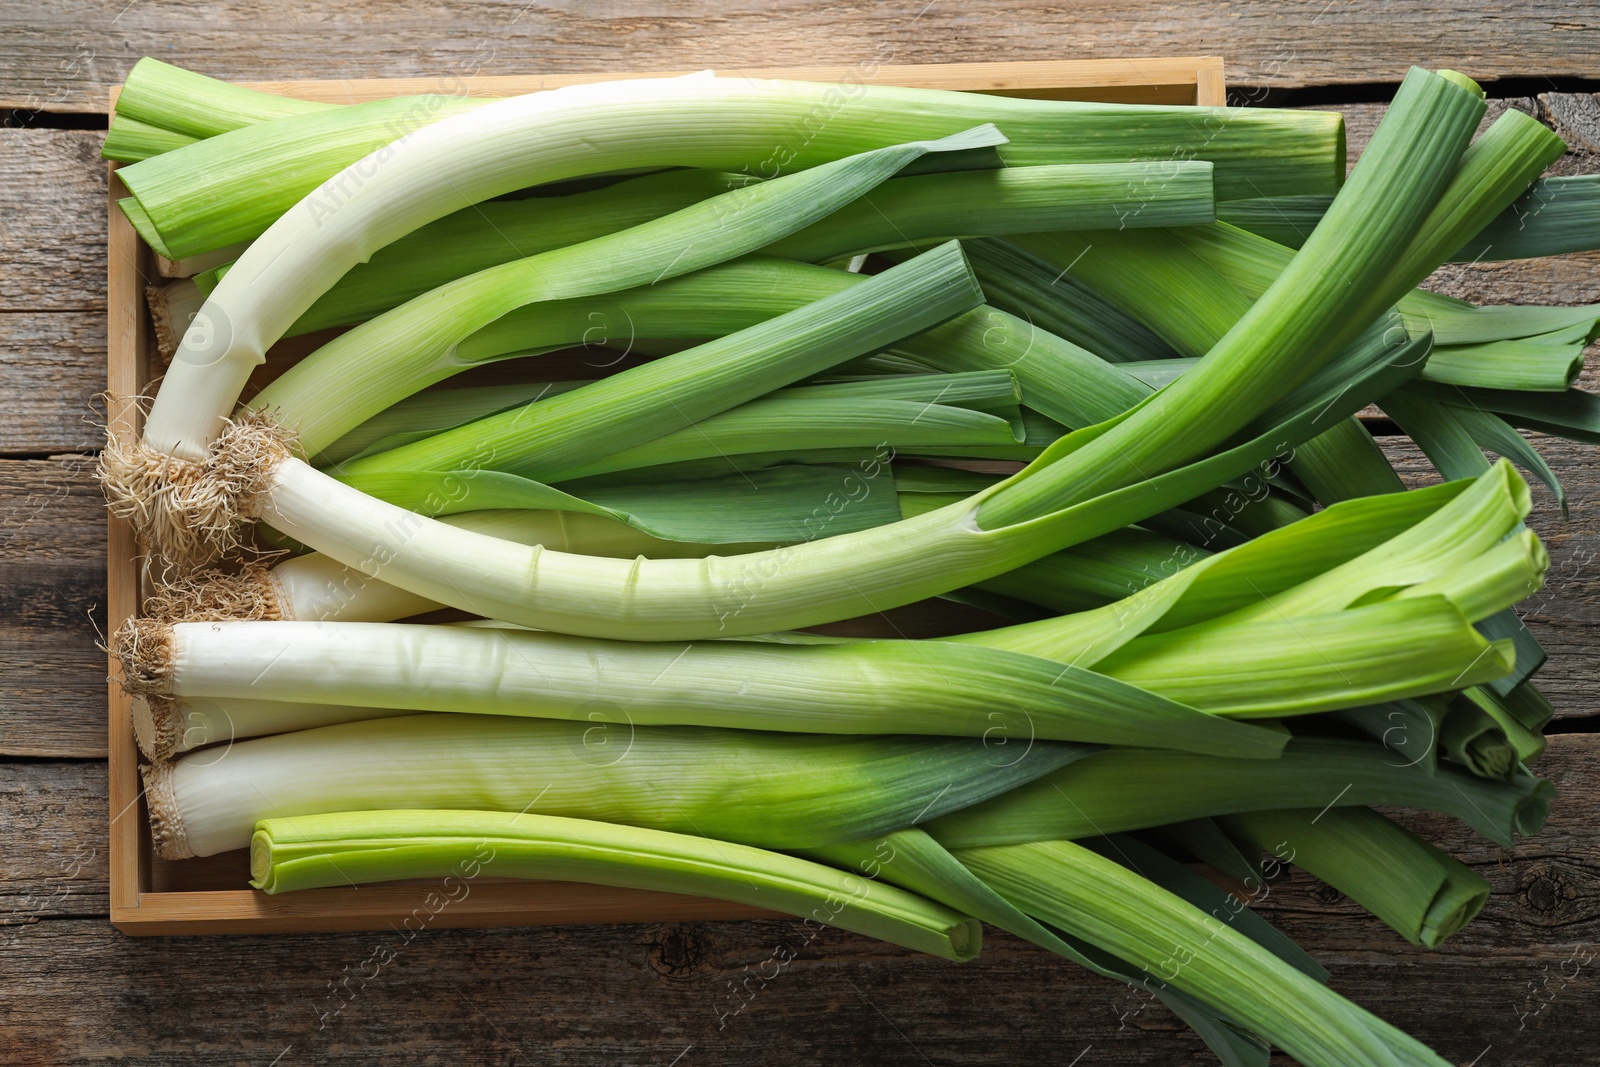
64, 55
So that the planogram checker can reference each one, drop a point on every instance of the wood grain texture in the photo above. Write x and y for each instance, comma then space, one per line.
52, 841
74, 990
54, 371
52, 590
63, 56
52, 220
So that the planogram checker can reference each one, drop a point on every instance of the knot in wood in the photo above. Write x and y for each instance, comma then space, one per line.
681, 951
1326, 894
1543, 889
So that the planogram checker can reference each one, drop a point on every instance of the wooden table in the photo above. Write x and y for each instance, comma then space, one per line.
1517, 987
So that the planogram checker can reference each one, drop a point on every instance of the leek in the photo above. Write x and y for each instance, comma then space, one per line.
165, 95
866, 687
341, 848
1052, 299
1070, 887
907, 211
1130, 789
1419, 891
1556, 216
764, 789
912, 860
233, 185
429, 412
645, 402
128, 140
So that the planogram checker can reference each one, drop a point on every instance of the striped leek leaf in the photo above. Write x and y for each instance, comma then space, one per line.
1574, 414
1454, 438
1250, 263
993, 391
169, 96
1547, 362
782, 425
1180, 880
1421, 892
1093, 898
341, 847
233, 186
924, 209
1129, 789
128, 140
241, 317
1408, 728
1204, 840
1556, 216
912, 860
1053, 300
1058, 378
765, 789
564, 432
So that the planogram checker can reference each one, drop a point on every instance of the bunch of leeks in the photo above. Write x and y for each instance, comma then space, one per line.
934, 345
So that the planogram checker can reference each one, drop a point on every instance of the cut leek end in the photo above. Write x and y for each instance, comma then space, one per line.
144, 226
156, 729
1457, 904
1458, 78
1530, 814
1489, 755
189, 513
172, 308
168, 836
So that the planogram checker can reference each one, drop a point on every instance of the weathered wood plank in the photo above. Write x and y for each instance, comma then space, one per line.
63, 56
72, 990
53, 841
54, 368
52, 594
52, 221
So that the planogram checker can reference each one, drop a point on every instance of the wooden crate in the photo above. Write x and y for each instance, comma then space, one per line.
204, 896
